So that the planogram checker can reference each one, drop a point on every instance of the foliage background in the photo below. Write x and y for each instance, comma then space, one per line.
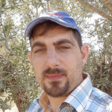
94, 17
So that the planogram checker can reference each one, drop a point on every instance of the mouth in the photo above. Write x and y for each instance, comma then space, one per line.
55, 77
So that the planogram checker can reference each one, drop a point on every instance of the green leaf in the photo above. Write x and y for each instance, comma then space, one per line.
3, 3
6, 30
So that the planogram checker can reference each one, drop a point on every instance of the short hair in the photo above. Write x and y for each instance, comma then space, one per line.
47, 25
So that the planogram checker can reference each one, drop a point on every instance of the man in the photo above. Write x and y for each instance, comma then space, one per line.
58, 56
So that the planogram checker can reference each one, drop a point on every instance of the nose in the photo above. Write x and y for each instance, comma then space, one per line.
52, 59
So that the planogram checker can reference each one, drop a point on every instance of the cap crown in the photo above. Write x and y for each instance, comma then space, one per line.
60, 17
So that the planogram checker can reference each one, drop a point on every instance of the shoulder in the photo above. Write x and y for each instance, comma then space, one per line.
100, 95
101, 100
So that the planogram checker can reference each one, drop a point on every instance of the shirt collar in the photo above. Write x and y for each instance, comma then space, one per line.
79, 97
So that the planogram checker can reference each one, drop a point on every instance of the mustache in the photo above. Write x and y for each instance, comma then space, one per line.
54, 71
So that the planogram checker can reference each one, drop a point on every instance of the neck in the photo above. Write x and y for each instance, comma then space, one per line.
55, 102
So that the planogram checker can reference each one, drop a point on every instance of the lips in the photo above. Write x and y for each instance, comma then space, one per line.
55, 77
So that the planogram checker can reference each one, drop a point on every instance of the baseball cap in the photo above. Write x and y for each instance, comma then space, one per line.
59, 17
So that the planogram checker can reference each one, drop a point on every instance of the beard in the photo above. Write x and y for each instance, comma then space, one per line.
55, 90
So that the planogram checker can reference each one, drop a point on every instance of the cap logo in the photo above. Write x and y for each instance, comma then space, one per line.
55, 14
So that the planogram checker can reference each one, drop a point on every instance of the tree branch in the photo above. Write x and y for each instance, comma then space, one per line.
103, 14
108, 5
47, 5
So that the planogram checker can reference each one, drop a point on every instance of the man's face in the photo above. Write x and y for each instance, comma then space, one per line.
57, 61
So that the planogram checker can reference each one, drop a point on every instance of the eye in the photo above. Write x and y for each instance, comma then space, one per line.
39, 50
64, 47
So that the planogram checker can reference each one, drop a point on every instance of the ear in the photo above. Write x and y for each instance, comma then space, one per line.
29, 56
85, 51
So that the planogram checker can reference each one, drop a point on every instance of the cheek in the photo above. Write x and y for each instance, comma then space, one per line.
37, 67
38, 76
71, 60
74, 64
37, 63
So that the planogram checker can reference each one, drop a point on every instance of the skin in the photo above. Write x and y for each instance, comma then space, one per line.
57, 49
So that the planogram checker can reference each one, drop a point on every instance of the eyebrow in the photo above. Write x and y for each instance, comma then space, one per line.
38, 44
64, 41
